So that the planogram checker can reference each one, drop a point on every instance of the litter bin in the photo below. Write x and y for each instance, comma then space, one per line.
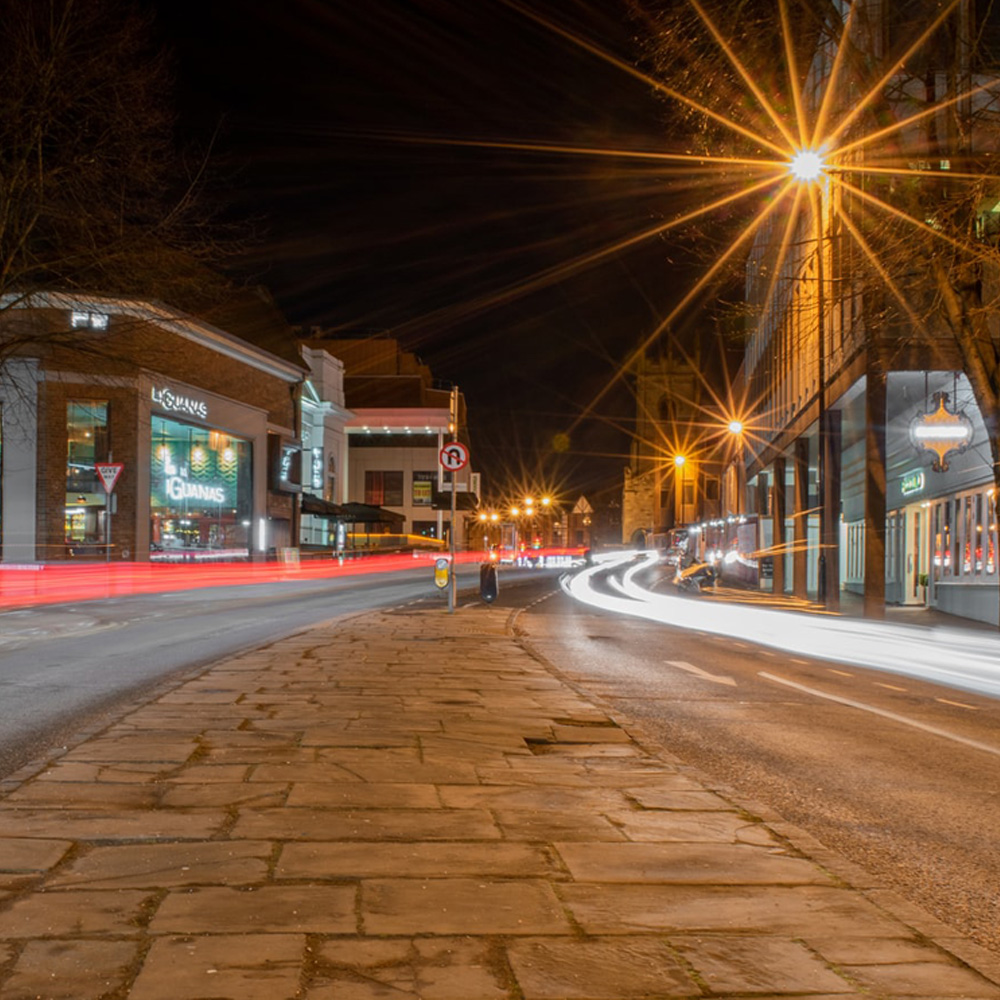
489, 583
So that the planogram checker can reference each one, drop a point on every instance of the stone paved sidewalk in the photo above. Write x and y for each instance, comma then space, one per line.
408, 805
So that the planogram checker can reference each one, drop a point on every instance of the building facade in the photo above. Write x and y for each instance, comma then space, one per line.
195, 428
398, 422
870, 468
674, 476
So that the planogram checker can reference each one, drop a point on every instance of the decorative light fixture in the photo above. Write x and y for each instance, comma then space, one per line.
943, 431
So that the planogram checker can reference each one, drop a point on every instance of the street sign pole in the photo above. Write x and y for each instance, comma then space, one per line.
454, 437
108, 473
453, 457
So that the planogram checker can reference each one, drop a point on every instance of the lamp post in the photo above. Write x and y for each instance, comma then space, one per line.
808, 167
680, 465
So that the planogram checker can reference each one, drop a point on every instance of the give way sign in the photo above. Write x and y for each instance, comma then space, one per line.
109, 473
454, 456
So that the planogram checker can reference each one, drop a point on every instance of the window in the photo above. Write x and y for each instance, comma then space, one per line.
201, 492
87, 442
423, 488
712, 489
383, 488
330, 492
82, 320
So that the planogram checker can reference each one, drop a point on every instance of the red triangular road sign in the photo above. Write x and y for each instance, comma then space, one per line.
109, 473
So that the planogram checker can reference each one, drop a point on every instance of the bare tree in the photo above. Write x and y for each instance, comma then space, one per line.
94, 196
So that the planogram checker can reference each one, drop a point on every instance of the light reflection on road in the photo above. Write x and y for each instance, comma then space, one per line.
957, 657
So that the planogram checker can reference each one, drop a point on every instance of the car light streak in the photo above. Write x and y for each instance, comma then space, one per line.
36, 584
958, 658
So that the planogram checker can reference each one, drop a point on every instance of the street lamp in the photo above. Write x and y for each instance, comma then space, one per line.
680, 464
808, 167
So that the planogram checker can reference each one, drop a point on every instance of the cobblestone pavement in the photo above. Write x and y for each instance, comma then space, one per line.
408, 805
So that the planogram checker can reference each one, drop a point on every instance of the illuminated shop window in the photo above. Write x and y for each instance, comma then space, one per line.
201, 492
87, 442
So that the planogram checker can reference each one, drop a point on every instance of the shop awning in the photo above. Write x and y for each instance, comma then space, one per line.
463, 501
322, 508
363, 513
351, 513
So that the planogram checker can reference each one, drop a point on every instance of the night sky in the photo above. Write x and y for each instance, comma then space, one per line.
324, 109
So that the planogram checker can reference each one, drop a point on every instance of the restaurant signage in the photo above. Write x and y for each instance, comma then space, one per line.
943, 432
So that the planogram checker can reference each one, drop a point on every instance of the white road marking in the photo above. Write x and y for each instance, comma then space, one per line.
843, 673
890, 687
957, 704
933, 730
803, 662
698, 672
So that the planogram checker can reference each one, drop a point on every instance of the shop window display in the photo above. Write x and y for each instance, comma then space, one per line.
87, 442
200, 493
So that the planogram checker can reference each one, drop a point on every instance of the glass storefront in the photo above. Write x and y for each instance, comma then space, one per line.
87, 442
201, 493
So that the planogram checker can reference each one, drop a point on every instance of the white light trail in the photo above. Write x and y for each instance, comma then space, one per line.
960, 658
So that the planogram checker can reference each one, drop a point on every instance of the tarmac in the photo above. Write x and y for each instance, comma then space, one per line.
410, 804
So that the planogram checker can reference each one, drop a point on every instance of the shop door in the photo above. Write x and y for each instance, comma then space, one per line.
915, 554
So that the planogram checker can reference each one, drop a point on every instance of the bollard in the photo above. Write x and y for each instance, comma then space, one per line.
489, 583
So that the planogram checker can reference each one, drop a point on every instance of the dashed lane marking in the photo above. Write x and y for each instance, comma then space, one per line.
850, 703
889, 687
957, 704
703, 674
843, 673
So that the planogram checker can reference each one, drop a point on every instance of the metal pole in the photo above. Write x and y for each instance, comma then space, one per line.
451, 532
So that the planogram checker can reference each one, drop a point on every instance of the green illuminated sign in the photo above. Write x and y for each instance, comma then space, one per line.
912, 482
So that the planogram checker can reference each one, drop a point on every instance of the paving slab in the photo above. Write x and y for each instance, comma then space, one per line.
441, 968
415, 860
619, 968
221, 967
683, 864
166, 865
303, 909
758, 964
21, 855
457, 906
85, 913
56, 969
409, 805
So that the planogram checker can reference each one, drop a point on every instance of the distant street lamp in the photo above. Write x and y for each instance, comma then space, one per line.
680, 464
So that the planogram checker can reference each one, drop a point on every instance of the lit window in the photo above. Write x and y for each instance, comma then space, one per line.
81, 320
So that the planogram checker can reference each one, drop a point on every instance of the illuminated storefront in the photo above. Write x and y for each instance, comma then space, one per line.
201, 492
181, 429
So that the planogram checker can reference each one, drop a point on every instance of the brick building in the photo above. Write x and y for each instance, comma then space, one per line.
202, 420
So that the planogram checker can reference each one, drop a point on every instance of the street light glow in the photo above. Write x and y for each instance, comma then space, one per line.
679, 460
735, 427
806, 165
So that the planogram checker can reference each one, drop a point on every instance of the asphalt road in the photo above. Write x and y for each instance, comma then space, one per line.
904, 780
69, 668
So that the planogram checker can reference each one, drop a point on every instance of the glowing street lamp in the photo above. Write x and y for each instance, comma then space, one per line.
735, 427
807, 165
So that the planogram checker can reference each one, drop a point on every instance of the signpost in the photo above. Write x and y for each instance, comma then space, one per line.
108, 473
453, 457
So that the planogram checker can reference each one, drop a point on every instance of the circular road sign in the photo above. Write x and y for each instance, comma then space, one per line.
454, 456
